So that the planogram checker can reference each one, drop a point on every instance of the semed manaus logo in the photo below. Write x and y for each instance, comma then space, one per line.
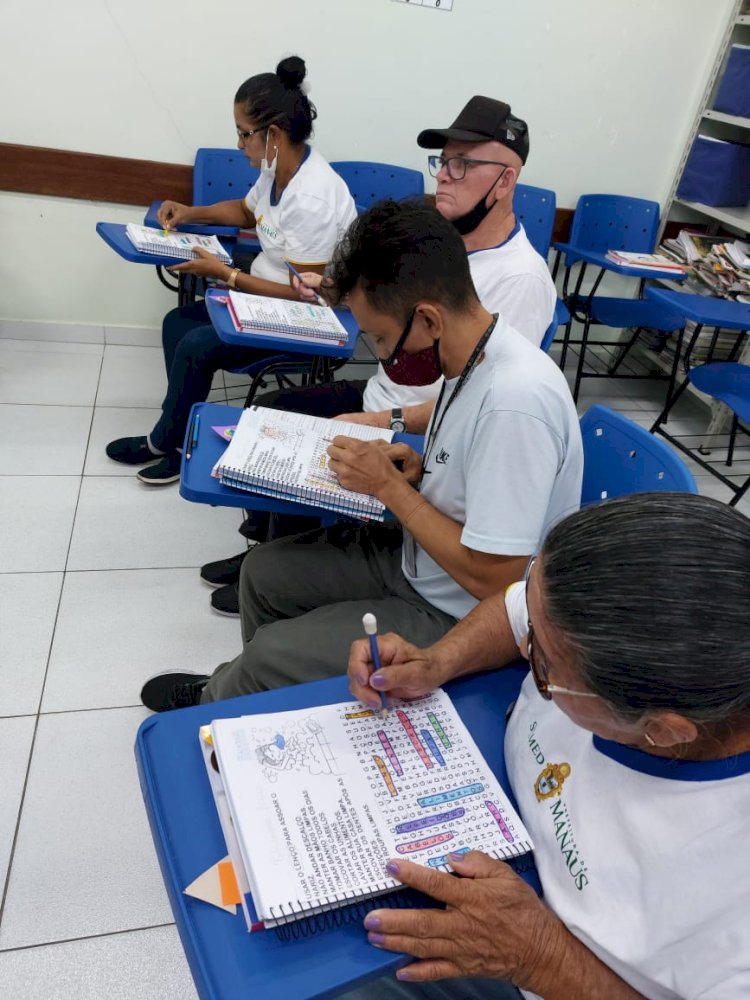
548, 790
264, 227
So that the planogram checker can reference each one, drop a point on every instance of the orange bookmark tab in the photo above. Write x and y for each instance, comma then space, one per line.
230, 892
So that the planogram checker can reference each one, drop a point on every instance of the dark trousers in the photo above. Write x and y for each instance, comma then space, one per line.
321, 401
193, 352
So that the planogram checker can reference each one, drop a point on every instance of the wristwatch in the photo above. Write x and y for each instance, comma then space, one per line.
397, 424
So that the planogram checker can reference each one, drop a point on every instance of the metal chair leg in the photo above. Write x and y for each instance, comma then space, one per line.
581, 359
612, 370
732, 439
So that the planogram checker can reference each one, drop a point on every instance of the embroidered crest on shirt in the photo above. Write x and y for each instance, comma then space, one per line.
551, 780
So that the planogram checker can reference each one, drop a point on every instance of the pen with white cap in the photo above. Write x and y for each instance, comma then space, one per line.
370, 623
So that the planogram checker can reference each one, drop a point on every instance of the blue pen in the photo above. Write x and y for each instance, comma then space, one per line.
301, 280
193, 440
370, 624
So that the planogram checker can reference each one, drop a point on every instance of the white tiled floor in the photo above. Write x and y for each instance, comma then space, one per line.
99, 589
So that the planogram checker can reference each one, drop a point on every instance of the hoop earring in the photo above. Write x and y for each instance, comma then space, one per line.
649, 739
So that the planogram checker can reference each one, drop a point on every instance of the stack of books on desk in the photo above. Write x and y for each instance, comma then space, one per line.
260, 314
172, 244
716, 262
282, 454
314, 802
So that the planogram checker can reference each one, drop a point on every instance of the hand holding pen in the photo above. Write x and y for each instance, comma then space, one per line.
304, 285
394, 669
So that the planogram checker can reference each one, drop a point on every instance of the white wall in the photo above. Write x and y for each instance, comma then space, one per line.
609, 90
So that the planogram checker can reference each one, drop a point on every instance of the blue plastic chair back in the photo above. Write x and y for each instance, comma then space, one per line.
535, 207
621, 457
614, 222
221, 175
560, 316
370, 182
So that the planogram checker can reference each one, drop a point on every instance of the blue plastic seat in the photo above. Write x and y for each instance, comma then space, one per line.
605, 222
727, 380
560, 317
621, 457
371, 182
535, 207
221, 175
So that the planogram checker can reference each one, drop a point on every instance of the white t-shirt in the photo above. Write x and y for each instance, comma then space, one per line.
313, 213
643, 858
511, 279
506, 463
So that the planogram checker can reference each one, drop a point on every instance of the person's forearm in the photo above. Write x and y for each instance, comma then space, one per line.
259, 286
481, 574
222, 213
567, 970
483, 640
417, 417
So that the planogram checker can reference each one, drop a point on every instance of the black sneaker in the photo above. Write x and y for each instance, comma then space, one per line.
165, 692
132, 451
226, 601
223, 571
166, 470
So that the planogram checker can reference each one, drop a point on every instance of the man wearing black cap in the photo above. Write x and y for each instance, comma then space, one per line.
483, 152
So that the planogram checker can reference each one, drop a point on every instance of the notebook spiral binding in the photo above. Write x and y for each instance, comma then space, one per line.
232, 476
330, 914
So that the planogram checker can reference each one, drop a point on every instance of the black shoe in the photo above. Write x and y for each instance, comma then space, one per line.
166, 470
132, 451
223, 571
226, 601
173, 690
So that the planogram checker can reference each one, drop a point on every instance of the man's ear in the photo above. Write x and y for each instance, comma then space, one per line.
429, 319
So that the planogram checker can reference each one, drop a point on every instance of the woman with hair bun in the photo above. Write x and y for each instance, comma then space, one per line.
299, 207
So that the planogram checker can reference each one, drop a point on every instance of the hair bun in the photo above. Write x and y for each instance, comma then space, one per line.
291, 72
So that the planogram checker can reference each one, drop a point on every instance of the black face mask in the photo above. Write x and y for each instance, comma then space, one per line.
468, 223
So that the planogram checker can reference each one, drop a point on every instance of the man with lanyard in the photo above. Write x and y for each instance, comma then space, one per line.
502, 462
483, 152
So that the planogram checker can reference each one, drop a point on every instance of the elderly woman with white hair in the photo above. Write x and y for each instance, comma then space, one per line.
628, 751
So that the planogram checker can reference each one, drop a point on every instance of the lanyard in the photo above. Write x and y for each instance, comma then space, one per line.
463, 378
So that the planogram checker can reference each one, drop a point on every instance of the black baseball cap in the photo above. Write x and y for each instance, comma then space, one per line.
482, 119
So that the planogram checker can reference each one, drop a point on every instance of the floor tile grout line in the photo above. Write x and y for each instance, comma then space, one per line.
86, 937
38, 714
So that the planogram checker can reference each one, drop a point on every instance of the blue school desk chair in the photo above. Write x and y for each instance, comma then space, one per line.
535, 207
727, 381
621, 457
371, 182
605, 222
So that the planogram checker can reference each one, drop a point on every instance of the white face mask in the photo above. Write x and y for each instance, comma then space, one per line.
269, 169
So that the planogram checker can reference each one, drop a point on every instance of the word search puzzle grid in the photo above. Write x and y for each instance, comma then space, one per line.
430, 784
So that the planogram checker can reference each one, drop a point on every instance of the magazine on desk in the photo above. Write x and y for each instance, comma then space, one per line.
174, 244
282, 454
314, 802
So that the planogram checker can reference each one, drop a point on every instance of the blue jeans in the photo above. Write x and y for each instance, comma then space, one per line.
193, 351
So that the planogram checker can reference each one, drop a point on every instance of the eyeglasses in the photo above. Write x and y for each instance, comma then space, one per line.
244, 136
539, 669
456, 165
401, 340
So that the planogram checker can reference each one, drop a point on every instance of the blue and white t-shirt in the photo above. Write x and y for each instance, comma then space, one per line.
304, 223
643, 858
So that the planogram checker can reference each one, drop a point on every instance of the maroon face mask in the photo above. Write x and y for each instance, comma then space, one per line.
422, 368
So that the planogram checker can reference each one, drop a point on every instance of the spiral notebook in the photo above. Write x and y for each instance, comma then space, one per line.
319, 799
281, 318
282, 454
174, 244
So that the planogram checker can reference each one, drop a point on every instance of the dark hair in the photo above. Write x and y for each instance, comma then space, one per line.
278, 99
398, 253
651, 591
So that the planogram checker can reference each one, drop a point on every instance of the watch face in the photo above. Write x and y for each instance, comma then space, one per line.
399, 426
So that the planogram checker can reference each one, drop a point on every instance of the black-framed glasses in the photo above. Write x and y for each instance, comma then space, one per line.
402, 339
539, 667
456, 165
244, 136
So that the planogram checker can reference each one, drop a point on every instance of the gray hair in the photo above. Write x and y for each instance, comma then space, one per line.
652, 593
